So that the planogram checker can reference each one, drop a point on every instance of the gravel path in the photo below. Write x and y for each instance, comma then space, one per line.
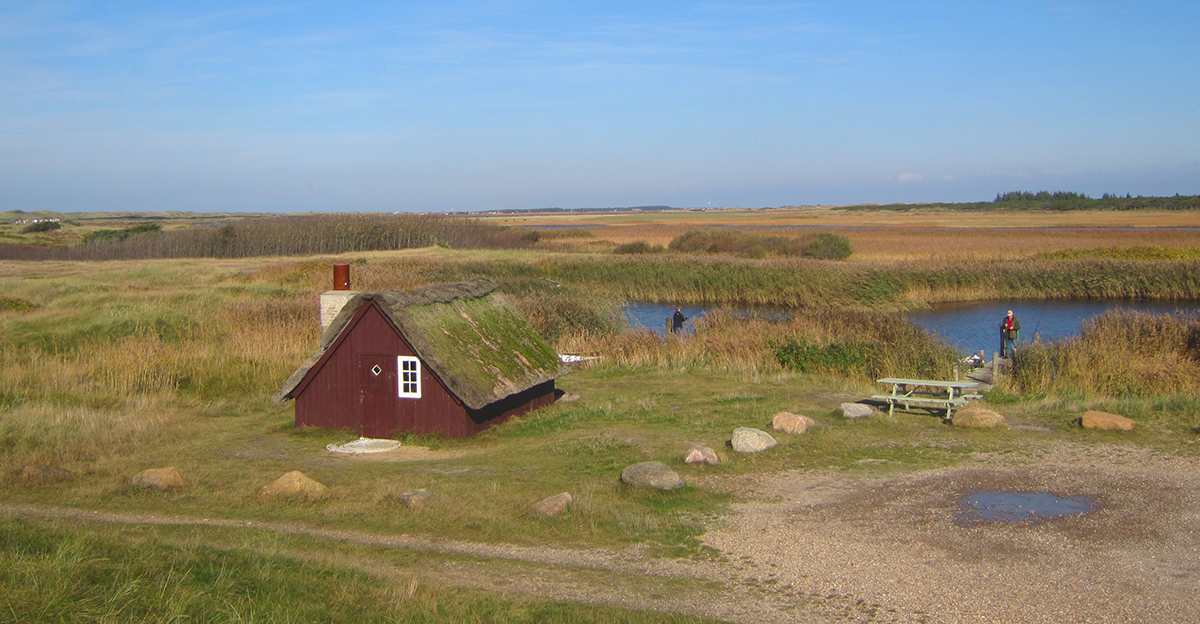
826, 546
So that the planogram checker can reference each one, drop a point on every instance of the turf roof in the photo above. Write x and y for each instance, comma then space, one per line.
469, 334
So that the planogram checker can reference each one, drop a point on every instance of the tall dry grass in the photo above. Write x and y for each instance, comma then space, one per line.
111, 358
935, 241
1119, 353
732, 342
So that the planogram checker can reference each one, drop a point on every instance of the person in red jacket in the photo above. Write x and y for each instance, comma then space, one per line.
1010, 331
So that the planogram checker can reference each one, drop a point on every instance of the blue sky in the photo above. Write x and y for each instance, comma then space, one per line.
475, 105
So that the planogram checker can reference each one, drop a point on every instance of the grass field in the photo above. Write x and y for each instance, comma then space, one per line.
113, 367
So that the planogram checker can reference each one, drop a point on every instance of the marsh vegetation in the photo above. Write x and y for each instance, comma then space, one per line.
115, 366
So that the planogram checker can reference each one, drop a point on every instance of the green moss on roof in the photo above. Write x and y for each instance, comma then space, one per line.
481, 346
471, 336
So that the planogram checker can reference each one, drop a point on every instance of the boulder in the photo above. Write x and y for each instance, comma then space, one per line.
856, 410
415, 498
1104, 420
158, 478
293, 485
975, 416
656, 475
552, 506
700, 454
788, 422
41, 474
751, 440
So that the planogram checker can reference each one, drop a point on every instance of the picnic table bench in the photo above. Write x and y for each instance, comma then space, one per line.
927, 393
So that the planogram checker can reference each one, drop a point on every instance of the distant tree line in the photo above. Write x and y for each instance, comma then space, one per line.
1046, 200
283, 236
1014, 196
1068, 200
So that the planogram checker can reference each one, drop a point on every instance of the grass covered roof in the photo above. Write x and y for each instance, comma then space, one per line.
469, 334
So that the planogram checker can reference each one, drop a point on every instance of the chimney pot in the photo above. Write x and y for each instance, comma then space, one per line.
341, 276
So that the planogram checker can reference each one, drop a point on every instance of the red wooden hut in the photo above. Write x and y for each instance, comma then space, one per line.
450, 359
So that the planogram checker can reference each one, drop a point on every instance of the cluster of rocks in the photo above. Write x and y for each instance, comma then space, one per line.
659, 476
295, 485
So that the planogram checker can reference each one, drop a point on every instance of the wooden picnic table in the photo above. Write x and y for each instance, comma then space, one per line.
927, 393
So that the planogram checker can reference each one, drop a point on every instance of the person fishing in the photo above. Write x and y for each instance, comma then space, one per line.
1010, 331
677, 321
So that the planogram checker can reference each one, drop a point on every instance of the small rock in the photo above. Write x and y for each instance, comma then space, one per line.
976, 416
159, 478
1105, 421
41, 474
751, 440
700, 454
655, 475
415, 498
856, 410
552, 506
294, 484
794, 424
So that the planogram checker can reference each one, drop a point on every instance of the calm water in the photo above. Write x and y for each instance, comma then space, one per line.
974, 326
654, 315
968, 327
1020, 507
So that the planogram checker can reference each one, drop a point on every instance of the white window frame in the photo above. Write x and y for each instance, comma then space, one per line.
408, 379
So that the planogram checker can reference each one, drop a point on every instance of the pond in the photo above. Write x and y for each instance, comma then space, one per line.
968, 327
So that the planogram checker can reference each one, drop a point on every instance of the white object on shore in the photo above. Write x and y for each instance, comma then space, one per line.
569, 358
364, 445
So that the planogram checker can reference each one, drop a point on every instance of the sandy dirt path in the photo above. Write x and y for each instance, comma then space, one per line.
828, 546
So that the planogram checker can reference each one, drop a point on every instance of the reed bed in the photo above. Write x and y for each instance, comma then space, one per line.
788, 283
1120, 353
730, 342
935, 241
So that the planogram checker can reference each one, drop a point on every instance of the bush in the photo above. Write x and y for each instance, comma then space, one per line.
638, 247
118, 235
828, 246
41, 226
15, 304
817, 245
807, 357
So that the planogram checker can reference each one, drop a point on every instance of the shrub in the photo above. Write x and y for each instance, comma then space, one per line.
15, 304
41, 226
828, 246
117, 235
638, 247
817, 245
807, 357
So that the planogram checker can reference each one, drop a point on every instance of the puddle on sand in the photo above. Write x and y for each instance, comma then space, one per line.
1020, 507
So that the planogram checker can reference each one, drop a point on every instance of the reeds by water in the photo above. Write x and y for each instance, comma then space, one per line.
736, 343
1120, 353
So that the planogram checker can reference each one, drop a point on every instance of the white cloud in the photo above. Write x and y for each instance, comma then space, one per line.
910, 177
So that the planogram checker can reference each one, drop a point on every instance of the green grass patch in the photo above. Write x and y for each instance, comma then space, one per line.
74, 575
16, 304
